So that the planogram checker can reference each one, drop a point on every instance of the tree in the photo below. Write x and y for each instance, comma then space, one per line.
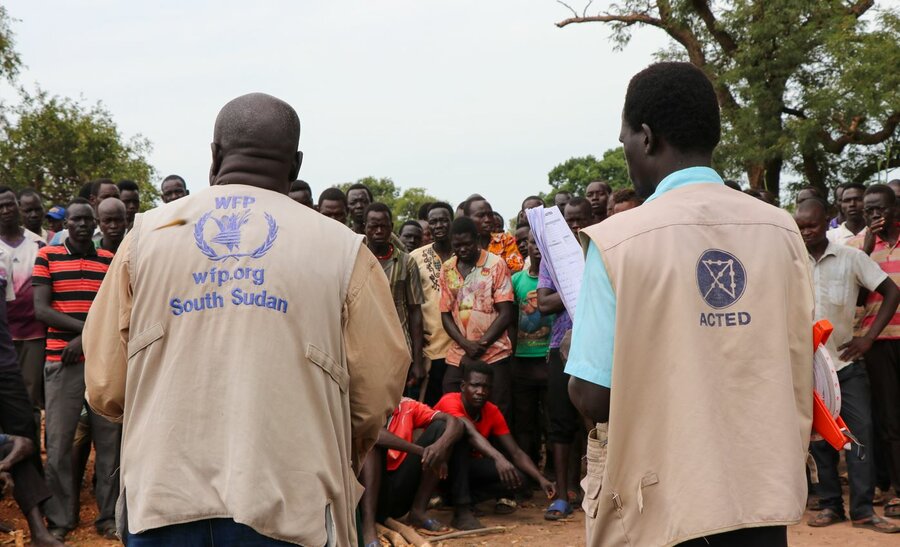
407, 205
805, 85
404, 206
56, 144
9, 59
575, 174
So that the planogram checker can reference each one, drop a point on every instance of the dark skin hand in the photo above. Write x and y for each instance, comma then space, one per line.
44, 313
859, 345
476, 348
22, 447
434, 456
505, 468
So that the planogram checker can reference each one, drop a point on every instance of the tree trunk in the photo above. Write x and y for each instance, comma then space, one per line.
755, 173
813, 172
773, 174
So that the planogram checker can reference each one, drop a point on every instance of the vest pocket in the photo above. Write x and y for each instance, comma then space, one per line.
329, 365
596, 467
145, 338
647, 480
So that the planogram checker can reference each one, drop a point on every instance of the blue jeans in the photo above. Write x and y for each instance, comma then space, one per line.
856, 412
203, 533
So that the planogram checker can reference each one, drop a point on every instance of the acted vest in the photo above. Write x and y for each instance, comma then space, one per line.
711, 401
251, 285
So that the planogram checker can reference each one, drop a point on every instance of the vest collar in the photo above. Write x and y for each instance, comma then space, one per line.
685, 177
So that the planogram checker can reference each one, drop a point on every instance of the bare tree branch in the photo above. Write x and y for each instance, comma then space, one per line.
860, 7
628, 19
712, 25
679, 32
570, 8
682, 34
793, 112
584, 13
852, 134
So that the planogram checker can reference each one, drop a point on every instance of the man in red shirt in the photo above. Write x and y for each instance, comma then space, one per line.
477, 477
66, 279
882, 356
400, 474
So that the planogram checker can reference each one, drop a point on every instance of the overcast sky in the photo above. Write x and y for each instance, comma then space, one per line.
456, 96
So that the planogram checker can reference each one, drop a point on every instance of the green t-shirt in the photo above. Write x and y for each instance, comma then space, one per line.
534, 328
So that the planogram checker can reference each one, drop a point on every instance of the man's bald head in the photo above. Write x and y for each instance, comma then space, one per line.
111, 205
111, 218
255, 142
814, 206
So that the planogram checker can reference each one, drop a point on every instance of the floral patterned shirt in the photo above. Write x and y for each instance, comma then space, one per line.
471, 301
504, 246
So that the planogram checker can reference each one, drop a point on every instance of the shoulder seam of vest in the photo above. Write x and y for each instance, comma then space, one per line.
669, 225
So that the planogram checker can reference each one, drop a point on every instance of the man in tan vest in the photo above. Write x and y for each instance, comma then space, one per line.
251, 349
693, 339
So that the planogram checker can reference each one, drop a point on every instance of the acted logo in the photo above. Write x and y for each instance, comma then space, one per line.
721, 280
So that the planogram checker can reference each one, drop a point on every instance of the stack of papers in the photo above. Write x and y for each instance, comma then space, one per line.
560, 251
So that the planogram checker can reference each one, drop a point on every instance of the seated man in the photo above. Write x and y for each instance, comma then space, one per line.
17, 474
493, 474
400, 475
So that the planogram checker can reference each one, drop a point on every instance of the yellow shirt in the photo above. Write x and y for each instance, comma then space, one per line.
437, 341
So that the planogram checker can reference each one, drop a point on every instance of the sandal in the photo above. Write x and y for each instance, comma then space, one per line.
825, 517
892, 509
505, 506
430, 526
877, 524
558, 510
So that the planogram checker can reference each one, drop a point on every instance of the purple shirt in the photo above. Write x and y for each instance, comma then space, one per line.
563, 321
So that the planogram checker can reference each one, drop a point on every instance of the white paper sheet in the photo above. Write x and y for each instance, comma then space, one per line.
560, 250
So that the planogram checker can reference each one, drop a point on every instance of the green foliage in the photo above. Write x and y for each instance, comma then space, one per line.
810, 87
404, 205
9, 59
575, 174
55, 145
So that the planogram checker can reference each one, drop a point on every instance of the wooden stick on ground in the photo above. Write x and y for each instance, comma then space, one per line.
408, 533
392, 536
462, 533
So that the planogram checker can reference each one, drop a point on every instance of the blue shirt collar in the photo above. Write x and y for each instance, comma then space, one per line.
685, 177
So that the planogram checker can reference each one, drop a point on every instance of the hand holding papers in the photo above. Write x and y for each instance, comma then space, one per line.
561, 252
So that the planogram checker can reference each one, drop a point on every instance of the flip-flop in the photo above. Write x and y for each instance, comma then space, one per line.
877, 524
558, 510
825, 517
505, 506
892, 509
431, 527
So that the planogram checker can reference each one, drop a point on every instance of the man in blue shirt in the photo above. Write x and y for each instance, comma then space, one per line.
660, 312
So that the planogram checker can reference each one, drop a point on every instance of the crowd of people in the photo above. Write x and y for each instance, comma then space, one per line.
493, 408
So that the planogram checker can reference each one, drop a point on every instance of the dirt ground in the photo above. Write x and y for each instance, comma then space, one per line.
525, 527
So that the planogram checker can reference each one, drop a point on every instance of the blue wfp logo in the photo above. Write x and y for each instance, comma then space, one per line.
721, 278
228, 238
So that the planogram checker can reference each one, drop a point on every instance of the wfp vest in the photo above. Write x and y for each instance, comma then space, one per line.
260, 433
711, 402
